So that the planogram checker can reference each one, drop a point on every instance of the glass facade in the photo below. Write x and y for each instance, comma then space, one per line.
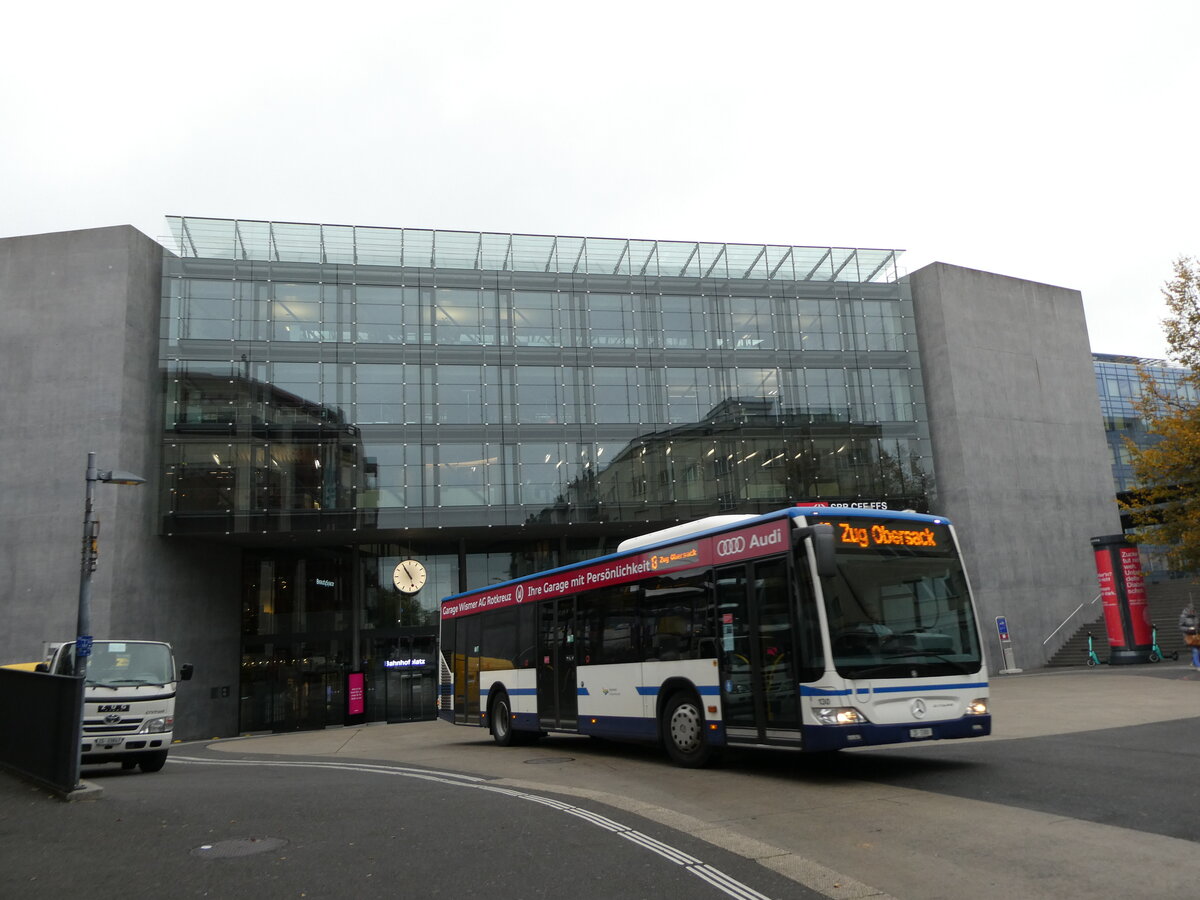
305, 391
1119, 383
495, 404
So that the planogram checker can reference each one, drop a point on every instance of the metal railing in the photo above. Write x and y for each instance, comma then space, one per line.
1068, 618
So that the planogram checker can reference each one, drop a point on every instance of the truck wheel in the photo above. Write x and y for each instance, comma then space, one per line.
152, 762
683, 731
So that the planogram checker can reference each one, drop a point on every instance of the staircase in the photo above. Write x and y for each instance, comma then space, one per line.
1165, 599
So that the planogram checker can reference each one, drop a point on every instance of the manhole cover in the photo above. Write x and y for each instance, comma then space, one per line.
549, 759
239, 847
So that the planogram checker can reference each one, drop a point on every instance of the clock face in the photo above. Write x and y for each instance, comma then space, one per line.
409, 576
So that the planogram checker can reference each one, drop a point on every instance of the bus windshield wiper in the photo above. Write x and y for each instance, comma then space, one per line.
962, 667
868, 671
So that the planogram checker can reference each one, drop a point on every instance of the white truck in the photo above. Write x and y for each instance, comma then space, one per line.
128, 700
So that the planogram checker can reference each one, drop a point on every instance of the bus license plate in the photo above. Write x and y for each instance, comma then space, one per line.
108, 742
916, 733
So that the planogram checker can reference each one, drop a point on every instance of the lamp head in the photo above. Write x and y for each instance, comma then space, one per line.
118, 477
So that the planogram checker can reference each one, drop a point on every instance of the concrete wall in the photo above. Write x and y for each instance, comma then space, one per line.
79, 325
1021, 461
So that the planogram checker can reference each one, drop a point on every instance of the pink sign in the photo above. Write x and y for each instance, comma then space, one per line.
357, 699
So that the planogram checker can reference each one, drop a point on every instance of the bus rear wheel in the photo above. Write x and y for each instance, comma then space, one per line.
683, 731
501, 721
501, 724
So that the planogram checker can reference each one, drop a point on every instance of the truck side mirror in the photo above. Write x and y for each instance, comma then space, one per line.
42, 667
185, 672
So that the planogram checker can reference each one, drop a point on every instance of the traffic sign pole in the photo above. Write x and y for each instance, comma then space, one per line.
1006, 647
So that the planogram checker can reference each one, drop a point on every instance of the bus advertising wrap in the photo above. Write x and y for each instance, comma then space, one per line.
719, 549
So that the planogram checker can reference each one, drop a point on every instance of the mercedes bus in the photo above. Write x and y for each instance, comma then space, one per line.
808, 628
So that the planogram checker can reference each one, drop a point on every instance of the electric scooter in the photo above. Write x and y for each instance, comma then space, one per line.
1156, 652
1092, 658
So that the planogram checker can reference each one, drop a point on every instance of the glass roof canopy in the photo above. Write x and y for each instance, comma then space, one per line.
244, 239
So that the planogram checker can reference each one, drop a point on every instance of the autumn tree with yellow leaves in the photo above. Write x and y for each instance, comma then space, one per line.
1166, 505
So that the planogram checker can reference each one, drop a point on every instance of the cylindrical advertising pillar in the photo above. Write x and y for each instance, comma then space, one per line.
1126, 615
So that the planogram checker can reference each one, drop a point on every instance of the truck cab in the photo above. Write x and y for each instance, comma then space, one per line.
128, 698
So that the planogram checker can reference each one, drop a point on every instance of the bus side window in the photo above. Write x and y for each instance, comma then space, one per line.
526, 635
498, 641
609, 618
677, 619
808, 632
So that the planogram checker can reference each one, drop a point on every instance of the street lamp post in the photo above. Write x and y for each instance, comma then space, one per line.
83, 636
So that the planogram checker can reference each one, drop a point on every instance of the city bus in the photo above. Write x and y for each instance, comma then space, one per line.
808, 628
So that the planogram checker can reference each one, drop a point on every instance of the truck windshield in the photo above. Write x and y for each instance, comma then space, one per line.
898, 615
125, 663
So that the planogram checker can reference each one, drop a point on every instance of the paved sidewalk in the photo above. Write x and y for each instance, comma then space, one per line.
1032, 704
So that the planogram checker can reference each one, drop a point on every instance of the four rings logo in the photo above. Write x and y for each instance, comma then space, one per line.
731, 546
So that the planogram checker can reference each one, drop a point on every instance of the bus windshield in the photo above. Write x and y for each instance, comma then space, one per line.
897, 613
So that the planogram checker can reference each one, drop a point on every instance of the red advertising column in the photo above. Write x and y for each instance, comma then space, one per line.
1126, 616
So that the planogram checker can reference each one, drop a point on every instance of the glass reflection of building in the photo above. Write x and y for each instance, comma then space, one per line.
1119, 383
341, 398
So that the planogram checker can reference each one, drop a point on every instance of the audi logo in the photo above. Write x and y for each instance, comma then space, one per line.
730, 546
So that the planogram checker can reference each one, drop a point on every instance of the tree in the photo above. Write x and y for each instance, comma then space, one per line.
1166, 505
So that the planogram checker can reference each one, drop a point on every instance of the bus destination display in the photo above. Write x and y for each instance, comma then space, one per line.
866, 534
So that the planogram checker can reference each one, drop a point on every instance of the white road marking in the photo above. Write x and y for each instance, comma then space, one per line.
724, 883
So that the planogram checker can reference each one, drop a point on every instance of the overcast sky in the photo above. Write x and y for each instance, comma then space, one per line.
1052, 141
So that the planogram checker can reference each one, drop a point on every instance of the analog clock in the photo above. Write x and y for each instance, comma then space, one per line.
409, 576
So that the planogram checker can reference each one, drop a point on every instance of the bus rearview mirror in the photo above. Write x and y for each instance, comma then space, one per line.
822, 538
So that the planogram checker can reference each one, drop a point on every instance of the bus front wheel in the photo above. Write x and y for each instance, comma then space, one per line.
683, 731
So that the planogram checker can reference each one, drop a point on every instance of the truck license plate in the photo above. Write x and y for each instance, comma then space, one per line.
920, 733
108, 742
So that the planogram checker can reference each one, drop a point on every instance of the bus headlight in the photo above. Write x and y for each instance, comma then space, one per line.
843, 715
977, 707
157, 725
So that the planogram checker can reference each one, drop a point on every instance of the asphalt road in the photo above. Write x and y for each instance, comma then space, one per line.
1145, 777
210, 825
1087, 789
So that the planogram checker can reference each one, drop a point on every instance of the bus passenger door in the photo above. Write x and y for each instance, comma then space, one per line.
558, 702
466, 671
758, 682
